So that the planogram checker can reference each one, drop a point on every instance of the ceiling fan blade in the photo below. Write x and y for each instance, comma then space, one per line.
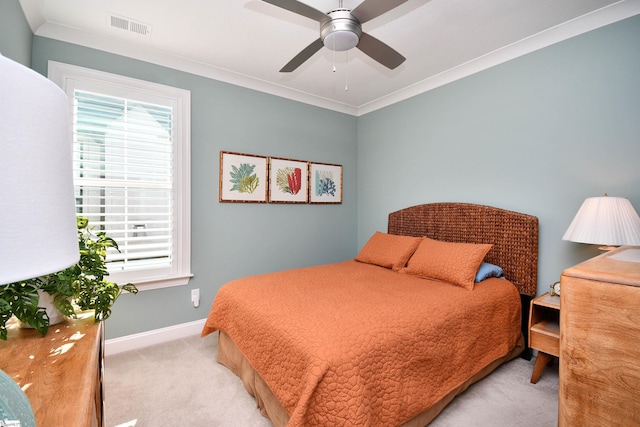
380, 51
369, 9
300, 8
300, 58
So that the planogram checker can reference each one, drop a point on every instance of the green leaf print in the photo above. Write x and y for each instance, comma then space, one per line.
243, 178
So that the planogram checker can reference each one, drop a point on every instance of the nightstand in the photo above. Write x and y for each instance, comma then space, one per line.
61, 373
544, 331
599, 381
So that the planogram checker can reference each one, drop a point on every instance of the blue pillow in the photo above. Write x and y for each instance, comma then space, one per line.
487, 270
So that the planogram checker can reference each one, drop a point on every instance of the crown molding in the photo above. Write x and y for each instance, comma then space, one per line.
602, 17
589, 22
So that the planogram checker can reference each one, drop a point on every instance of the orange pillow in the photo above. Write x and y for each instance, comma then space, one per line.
388, 250
455, 263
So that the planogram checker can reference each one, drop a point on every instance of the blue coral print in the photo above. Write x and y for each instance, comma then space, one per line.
325, 183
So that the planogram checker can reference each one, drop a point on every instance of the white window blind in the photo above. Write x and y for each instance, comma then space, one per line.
123, 170
131, 171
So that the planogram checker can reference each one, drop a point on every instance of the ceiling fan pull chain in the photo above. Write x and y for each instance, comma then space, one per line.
346, 68
334, 55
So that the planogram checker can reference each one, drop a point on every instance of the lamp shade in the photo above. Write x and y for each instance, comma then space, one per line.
605, 221
38, 233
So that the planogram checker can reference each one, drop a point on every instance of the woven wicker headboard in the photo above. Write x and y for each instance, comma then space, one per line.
514, 235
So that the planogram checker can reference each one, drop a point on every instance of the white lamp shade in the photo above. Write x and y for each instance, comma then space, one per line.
605, 221
38, 233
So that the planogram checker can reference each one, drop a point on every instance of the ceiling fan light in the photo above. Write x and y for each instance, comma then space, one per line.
341, 40
341, 32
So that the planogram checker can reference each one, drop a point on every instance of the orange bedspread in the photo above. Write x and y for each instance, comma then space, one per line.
355, 344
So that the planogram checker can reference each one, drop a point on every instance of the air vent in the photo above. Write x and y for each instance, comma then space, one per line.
127, 24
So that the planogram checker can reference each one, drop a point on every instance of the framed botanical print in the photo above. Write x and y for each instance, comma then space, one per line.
325, 183
243, 177
288, 181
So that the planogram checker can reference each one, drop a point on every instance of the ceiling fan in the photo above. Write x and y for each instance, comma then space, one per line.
341, 29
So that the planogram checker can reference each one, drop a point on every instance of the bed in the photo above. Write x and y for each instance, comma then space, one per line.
391, 337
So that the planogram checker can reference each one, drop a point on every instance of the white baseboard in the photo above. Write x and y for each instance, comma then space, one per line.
156, 336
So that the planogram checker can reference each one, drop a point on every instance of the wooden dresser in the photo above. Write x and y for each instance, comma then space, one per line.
61, 373
600, 341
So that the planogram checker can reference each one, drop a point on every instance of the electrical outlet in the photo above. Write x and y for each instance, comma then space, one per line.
195, 297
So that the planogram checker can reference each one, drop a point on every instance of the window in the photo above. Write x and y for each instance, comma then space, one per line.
131, 171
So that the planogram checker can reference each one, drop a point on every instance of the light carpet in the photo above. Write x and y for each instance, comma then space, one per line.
179, 383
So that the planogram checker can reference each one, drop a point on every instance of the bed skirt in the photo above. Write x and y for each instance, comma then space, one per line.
230, 356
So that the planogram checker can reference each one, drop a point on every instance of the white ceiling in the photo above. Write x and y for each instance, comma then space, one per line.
247, 42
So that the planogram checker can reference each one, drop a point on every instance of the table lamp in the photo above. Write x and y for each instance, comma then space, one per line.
609, 221
38, 233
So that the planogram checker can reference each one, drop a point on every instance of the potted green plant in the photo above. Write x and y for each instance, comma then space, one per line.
83, 285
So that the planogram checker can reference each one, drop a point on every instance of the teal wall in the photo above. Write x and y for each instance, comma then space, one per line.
231, 240
537, 134
15, 34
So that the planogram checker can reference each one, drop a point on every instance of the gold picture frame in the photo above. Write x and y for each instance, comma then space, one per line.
325, 183
288, 180
243, 177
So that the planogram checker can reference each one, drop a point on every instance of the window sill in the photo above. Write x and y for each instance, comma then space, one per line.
163, 282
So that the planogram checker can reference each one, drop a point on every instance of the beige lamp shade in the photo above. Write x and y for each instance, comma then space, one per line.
605, 220
38, 233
